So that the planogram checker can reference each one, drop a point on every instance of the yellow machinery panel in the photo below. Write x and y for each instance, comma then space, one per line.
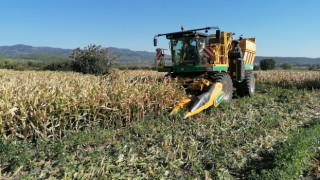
248, 47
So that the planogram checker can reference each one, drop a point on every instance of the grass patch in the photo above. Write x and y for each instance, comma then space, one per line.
290, 159
313, 171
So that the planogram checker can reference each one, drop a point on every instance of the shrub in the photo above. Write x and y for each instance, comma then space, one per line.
286, 66
256, 67
92, 59
314, 67
267, 64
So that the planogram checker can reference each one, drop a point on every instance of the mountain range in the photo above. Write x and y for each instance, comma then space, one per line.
125, 55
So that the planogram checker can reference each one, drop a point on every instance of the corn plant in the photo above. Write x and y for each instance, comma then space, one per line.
299, 79
45, 104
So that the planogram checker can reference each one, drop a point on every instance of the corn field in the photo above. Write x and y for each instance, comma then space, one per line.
58, 125
45, 104
299, 79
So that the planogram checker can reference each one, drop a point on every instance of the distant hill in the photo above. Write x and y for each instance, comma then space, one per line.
135, 57
123, 55
24, 50
40, 53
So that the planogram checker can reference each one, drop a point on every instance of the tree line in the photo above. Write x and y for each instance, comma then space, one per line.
269, 64
95, 59
92, 59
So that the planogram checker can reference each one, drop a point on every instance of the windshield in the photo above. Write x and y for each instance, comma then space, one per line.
187, 51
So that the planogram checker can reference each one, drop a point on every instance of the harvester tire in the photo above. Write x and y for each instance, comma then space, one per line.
227, 86
247, 86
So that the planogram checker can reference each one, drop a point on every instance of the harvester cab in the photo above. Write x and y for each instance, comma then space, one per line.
209, 66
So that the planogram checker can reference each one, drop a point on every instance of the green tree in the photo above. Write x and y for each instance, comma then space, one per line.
286, 66
314, 67
256, 67
92, 59
268, 64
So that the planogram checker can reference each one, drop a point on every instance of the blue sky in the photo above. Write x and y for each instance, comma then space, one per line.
282, 27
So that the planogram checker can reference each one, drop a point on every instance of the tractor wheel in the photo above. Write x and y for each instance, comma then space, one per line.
227, 86
247, 87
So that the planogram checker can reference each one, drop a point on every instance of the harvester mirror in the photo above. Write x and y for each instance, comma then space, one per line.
218, 36
155, 41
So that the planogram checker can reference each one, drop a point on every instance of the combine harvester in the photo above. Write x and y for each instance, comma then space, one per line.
209, 66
